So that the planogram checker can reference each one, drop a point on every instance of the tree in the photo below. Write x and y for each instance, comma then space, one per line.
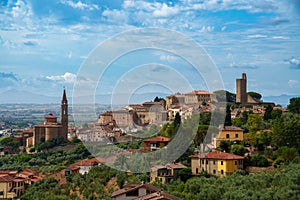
286, 133
225, 145
255, 123
185, 174
294, 105
268, 113
276, 113
287, 154
238, 150
278, 139
158, 99
200, 135
177, 122
228, 116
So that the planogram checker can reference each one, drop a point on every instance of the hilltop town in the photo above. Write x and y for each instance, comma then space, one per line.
120, 154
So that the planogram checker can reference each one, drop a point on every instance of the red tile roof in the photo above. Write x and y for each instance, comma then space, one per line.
158, 139
51, 116
223, 156
6, 178
158, 195
199, 92
19, 179
89, 162
132, 187
231, 128
176, 166
152, 103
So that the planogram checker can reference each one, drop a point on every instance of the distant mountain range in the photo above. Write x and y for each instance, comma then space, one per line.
282, 100
24, 97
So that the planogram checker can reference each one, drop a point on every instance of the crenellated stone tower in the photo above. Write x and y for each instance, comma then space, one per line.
241, 90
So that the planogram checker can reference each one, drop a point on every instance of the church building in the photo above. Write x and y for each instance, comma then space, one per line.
51, 128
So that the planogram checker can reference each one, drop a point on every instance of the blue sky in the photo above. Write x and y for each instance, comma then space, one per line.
43, 44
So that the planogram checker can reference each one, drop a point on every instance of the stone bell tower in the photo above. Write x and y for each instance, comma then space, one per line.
64, 115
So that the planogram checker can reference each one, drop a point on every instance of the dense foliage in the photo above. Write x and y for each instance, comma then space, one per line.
48, 161
99, 183
281, 184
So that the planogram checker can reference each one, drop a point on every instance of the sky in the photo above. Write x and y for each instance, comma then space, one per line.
45, 45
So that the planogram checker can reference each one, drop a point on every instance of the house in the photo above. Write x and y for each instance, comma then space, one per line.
30, 176
86, 165
231, 133
11, 187
155, 143
216, 163
165, 173
142, 191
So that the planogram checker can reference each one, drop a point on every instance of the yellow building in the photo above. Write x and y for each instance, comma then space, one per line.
216, 163
231, 133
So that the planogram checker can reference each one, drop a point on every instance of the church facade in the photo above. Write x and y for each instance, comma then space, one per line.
51, 128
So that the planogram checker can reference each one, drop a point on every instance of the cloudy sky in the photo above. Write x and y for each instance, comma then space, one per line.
44, 44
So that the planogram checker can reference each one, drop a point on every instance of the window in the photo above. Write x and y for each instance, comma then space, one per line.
227, 135
214, 162
235, 162
236, 135
202, 161
222, 171
133, 193
221, 162
207, 162
214, 171
197, 171
1, 193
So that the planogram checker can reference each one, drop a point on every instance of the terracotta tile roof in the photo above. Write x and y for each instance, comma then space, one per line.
6, 178
51, 116
195, 92
158, 195
222, 155
231, 128
176, 166
19, 179
152, 103
4, 172
176, 96
89, 162
158, 139
132, 187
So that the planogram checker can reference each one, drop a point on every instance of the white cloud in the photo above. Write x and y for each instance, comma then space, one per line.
116, 16
168, 57
67, 78
165, 11
21, 9
293, 83
207, 29
294, 61
281, 37
80, 5
256, 36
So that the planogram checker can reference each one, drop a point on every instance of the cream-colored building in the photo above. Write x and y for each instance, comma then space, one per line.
165, 173
11, 187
